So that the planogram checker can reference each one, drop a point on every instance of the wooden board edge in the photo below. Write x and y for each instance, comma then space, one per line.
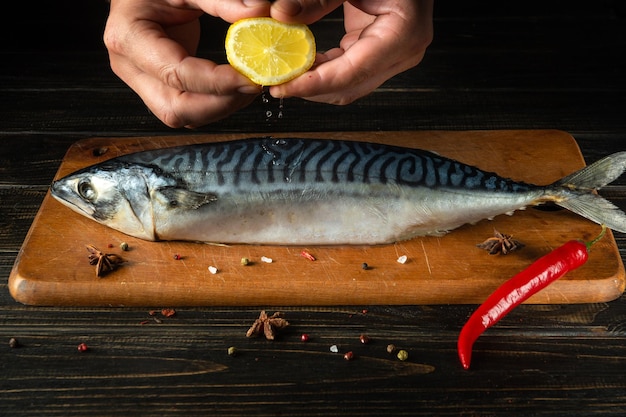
26, 292
38, 293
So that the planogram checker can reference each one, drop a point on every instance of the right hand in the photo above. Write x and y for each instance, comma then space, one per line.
383, 38
151, 46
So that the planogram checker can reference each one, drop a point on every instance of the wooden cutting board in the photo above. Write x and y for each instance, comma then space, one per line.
53, 269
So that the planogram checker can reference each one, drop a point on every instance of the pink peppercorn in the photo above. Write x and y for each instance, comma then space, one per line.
307, 255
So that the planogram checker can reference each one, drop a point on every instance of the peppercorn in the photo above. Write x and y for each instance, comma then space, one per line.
364, 266
245, 261
232, 351
403, 355
348, 356
365, 339
124, 246
83, 347
13, 343
391, 348
304, 337
308, 255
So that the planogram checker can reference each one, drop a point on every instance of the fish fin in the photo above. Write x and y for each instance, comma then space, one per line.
596, 209
185, 199
596, 175
577, 192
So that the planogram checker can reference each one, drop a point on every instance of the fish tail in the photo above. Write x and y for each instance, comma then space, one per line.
576, 192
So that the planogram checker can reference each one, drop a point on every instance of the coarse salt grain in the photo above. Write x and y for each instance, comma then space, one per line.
334, 348
402, 259
266, 259
213, 270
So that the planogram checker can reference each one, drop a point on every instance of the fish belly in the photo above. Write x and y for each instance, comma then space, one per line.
333, 218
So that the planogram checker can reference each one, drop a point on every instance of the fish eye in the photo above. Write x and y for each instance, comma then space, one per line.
86, 190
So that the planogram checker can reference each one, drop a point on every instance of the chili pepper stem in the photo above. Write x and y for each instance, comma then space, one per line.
597, 238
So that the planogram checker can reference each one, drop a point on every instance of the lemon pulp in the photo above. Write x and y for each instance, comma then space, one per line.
269, 52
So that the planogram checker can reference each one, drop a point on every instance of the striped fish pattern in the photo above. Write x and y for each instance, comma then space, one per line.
267, 161
312, 191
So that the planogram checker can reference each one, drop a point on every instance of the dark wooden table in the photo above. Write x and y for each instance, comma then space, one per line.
526, 65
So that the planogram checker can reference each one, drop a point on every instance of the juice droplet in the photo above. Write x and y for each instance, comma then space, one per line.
272, 107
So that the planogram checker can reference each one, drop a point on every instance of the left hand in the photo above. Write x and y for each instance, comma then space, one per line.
383, 38
152, 46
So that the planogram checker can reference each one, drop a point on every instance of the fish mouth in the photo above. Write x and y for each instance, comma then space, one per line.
63, 194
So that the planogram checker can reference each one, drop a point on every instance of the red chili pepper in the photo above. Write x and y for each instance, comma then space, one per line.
519, 288
307, 255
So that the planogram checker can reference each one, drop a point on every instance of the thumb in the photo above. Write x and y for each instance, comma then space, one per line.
302, 11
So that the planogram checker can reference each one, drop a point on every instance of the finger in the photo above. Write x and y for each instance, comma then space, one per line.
177, 108
365, 60
326, 85
144, 40
302, 11
342, 77
232, 10
178, 88
187, 35
156, 54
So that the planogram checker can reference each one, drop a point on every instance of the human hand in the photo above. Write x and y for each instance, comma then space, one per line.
151, 44
383, 38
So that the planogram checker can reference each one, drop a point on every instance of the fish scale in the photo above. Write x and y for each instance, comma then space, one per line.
312, 191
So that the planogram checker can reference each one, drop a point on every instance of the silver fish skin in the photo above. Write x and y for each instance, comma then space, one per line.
313, 191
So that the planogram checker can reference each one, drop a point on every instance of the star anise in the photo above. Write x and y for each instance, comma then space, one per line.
104, 262
500, 243
268, 325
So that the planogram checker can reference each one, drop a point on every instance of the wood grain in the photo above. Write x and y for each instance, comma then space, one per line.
52, 267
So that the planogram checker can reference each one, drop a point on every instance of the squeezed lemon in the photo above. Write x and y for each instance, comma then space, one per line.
269, 52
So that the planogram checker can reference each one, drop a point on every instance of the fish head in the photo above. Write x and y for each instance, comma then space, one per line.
113, 194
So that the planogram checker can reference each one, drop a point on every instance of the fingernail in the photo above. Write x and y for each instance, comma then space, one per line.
250, 89
277, 92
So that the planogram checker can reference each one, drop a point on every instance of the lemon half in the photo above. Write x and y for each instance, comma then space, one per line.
269, 52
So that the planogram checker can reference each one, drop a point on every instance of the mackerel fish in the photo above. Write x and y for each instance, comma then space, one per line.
313, 192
